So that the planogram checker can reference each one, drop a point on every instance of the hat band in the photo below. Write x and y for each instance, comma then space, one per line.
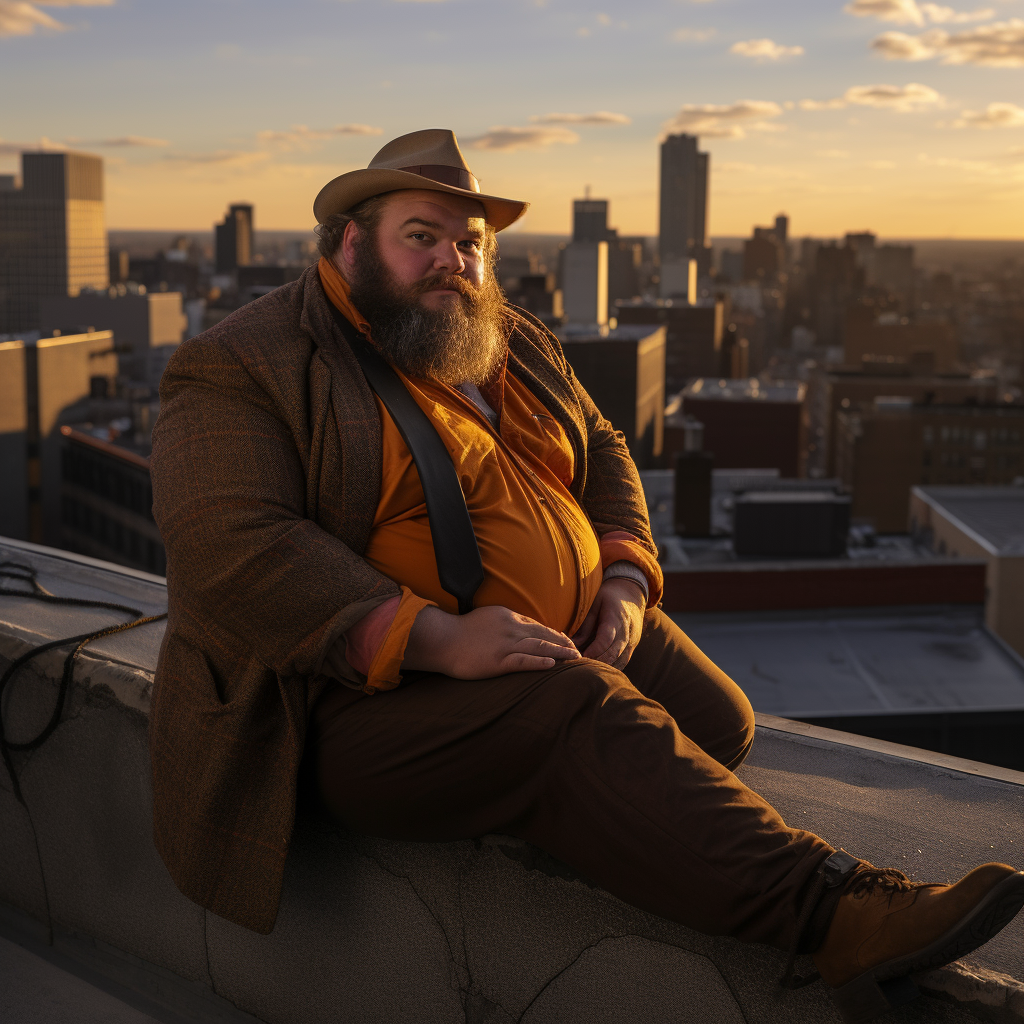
446, 175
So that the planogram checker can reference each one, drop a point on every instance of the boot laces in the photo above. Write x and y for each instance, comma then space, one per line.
881, 881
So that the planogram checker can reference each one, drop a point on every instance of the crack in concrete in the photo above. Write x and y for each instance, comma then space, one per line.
462, 990
547, 984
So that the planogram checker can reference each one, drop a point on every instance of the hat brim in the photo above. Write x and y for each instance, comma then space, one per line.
347, 190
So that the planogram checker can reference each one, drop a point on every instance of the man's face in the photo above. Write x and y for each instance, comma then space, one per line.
423, 280
423, 236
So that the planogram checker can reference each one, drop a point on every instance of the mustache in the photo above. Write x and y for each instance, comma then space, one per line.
449, 281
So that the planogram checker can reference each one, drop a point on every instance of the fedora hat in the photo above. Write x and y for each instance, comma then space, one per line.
428, 159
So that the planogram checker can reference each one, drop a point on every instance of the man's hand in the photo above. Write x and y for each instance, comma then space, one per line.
614, 623
486, 642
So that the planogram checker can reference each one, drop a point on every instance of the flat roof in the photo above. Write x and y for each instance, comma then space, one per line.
835, 663
992, 516
744, 389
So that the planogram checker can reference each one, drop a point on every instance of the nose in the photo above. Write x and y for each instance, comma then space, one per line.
448, 259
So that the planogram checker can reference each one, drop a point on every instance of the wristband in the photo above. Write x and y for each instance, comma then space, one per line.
624, 569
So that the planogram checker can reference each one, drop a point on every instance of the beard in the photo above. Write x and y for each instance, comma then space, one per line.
463, 341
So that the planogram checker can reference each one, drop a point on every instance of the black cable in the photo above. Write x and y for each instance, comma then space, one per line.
27, 574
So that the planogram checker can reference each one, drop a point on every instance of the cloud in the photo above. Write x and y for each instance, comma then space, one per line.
598, 117
728, 121
900, 46
903, 12
300, 136
507, 139
43, 143
693, 35
1000, 45
222, 157
995, 115
903, 98
942, 15
909, 12
143, 141
894, 97
765, 49
833, 154
22, 18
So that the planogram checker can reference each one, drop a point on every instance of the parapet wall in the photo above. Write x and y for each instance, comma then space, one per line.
483, 932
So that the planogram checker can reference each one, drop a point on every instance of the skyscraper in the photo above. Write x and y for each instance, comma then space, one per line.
590, 220
52, 237
234, 238
682, 226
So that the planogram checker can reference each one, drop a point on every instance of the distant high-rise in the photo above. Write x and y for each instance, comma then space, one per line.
590, 220
234, 238
682, 227
52, 237
782, 228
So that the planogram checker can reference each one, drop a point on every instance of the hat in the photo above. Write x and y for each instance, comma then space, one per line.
429, 159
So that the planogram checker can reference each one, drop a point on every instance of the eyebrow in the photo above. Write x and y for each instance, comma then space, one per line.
475, 232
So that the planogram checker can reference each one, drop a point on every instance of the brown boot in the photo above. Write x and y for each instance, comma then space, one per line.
886, 927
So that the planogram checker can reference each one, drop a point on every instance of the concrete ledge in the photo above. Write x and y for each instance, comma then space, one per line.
485, 932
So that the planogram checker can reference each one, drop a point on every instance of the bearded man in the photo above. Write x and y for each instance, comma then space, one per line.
307, 616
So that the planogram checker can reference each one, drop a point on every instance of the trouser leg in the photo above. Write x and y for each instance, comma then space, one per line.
580, 762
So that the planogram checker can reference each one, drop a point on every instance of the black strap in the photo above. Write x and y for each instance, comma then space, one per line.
459, 567
27, 574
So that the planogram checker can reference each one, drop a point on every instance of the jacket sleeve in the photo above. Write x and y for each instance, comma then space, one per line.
230, 499
613, 495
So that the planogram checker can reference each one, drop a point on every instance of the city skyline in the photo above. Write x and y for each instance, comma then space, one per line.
891, 115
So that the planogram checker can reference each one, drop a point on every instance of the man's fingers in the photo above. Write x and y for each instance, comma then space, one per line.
551, 639
546, 649
525, 663
603, 640
586, 630
624, 655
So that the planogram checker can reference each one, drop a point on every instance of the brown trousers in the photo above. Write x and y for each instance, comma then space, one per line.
624, 775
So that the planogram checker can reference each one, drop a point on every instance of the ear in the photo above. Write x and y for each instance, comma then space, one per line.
346, 254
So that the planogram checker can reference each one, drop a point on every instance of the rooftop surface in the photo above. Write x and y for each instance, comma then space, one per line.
745, 389
992, 516
838, 663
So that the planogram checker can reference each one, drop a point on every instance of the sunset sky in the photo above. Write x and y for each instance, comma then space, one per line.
902, 117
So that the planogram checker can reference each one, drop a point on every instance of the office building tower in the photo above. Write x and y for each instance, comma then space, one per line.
693, 338
848, 388
43, 385
782, 228
585, 282
682, 224
14, 415
623, 370
590, 220
52, 236
147, 326
107, 503
234, 239
892, 268
885, 449
748, 424
980, 523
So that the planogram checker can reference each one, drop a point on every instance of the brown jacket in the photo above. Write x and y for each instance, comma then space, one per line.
266, 475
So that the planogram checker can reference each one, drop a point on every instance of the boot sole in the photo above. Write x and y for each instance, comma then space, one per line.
886, 986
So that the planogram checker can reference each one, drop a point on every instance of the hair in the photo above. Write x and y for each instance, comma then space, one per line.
366, 216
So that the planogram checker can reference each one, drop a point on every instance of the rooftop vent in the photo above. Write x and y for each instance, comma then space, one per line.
791, 524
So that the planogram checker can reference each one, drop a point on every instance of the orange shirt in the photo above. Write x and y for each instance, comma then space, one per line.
540, 553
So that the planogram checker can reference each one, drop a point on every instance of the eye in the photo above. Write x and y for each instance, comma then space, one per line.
420, 236
472, 243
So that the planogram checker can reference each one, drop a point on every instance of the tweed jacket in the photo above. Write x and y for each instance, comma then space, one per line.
266, 473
